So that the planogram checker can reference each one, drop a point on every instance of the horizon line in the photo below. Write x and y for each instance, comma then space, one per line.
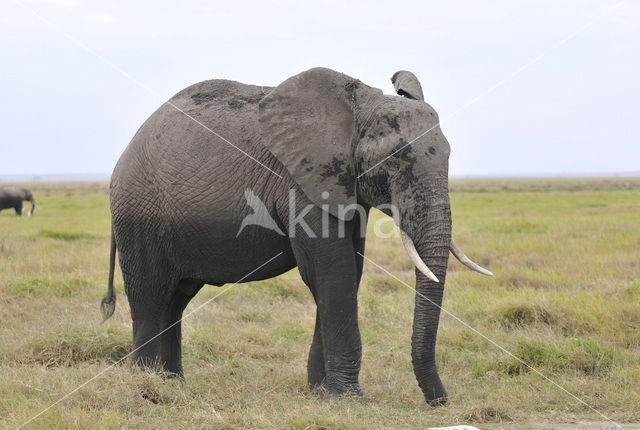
105, 177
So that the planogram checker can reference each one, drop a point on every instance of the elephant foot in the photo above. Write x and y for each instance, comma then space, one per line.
179, 375
434, 392
438, 401
316, 376
334, 389
326, 394
329, 393
143, 364
316, 386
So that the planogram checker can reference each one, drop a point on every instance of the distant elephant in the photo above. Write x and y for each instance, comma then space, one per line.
12, 197
198, 166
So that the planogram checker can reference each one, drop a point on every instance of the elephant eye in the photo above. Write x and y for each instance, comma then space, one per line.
432, 150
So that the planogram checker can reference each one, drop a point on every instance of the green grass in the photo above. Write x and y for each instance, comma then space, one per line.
565, 299
67, 235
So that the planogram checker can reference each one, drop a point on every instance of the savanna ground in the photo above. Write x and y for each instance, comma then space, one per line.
565, 298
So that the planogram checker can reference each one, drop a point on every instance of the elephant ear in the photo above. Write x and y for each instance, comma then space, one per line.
307, 122
406, 84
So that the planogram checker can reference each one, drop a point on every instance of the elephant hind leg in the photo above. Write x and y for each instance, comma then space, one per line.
157, 330
172, 351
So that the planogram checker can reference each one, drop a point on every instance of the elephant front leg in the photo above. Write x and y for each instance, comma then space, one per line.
328, 266
336, 297
333, 365
342, 347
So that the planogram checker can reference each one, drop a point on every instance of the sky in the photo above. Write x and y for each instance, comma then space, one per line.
521, 88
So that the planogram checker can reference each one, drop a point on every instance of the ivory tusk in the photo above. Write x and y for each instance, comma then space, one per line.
415, 257
465, 260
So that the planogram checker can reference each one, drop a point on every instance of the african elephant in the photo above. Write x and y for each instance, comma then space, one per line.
334, 144
12, 197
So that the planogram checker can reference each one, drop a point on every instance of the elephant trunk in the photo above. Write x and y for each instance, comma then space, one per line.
33, 206
432, 241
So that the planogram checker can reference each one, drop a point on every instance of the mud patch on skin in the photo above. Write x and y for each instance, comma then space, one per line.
305, 162
348, 181
200, 98
240, 100
345, 176
406, 176
402, 151
393, 122
351, 86
376, 184
236, 102
333, 169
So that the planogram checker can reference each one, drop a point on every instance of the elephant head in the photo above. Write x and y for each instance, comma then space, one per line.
335, 134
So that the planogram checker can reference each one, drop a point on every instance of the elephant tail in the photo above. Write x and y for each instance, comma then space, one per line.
108, 304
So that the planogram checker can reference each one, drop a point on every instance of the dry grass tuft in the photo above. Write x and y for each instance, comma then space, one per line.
487, 414
517, 315
76, 346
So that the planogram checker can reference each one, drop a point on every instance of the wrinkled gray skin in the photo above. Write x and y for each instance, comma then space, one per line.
177, 202
12, 197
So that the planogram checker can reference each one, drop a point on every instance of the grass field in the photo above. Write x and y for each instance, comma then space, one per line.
565, 298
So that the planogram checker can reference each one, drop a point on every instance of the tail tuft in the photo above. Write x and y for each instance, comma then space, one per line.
107, 307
